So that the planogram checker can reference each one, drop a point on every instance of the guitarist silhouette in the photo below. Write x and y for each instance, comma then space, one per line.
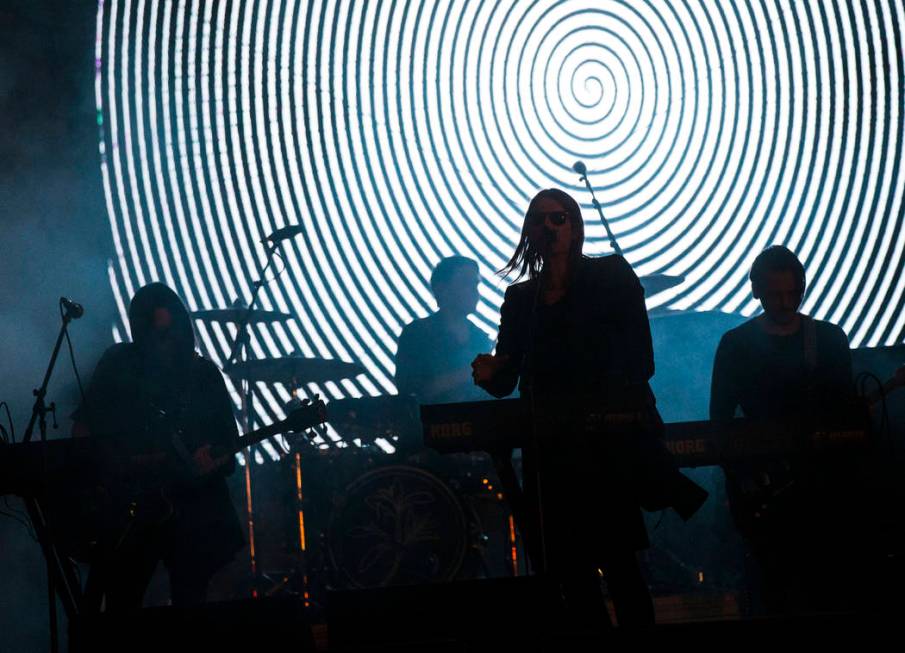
799, 516
155, 401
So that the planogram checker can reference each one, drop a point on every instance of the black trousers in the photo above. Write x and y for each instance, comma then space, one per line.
119, 576
584, 600
572, 549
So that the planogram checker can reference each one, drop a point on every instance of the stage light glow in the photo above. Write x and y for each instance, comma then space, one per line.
399, 133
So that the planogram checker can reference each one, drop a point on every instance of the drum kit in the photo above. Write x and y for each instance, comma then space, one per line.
379, 509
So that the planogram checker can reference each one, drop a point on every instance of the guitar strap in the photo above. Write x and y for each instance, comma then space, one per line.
177, 399
809, 328
182, 406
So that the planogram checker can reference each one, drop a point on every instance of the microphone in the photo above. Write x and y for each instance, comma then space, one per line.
73, 310
580, 168
284, 233
545, 239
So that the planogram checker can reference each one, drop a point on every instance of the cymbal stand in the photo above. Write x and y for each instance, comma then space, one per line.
239, 352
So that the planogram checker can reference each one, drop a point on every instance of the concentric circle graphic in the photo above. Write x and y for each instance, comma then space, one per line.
398, 133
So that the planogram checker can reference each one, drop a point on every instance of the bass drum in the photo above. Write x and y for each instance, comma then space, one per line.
397, 525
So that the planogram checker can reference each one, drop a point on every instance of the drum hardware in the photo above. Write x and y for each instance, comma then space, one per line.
289, 370
236, 314
347, 548
292, 371
242, 316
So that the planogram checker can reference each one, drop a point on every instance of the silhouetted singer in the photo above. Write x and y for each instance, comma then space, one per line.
576, 334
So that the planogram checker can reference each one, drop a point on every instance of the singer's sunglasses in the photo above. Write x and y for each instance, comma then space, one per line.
556, 217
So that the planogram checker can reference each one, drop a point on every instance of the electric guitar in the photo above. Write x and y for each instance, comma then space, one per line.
759, 492
137, 494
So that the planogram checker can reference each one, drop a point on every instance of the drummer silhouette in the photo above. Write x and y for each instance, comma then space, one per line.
434, 354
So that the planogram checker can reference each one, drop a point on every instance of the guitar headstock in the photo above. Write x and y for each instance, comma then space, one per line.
310, 413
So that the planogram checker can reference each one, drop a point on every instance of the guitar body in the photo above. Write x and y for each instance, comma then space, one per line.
131, 497
119, 499
764, 497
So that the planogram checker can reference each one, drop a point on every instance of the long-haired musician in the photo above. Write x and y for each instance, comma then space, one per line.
153, 396
576, 333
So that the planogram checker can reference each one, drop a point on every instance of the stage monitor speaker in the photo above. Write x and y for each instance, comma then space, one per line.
246, 625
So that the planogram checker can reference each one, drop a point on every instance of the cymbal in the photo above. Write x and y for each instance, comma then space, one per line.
654, 283
294, 370
236, 315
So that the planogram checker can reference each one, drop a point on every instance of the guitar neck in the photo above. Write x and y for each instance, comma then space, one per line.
254, 437
299, 420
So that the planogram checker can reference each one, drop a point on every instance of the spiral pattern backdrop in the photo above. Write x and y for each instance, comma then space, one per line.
401, 132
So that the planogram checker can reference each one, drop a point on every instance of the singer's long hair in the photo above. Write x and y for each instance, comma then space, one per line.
527, 259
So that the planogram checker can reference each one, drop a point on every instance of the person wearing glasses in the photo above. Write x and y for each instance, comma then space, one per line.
574, 335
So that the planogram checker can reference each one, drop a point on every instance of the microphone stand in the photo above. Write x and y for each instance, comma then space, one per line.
60, 577
239, 342
238, 353
535, 434
606, 225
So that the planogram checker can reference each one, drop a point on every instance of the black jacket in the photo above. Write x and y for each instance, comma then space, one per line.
136, 409
595, 343
593, 346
